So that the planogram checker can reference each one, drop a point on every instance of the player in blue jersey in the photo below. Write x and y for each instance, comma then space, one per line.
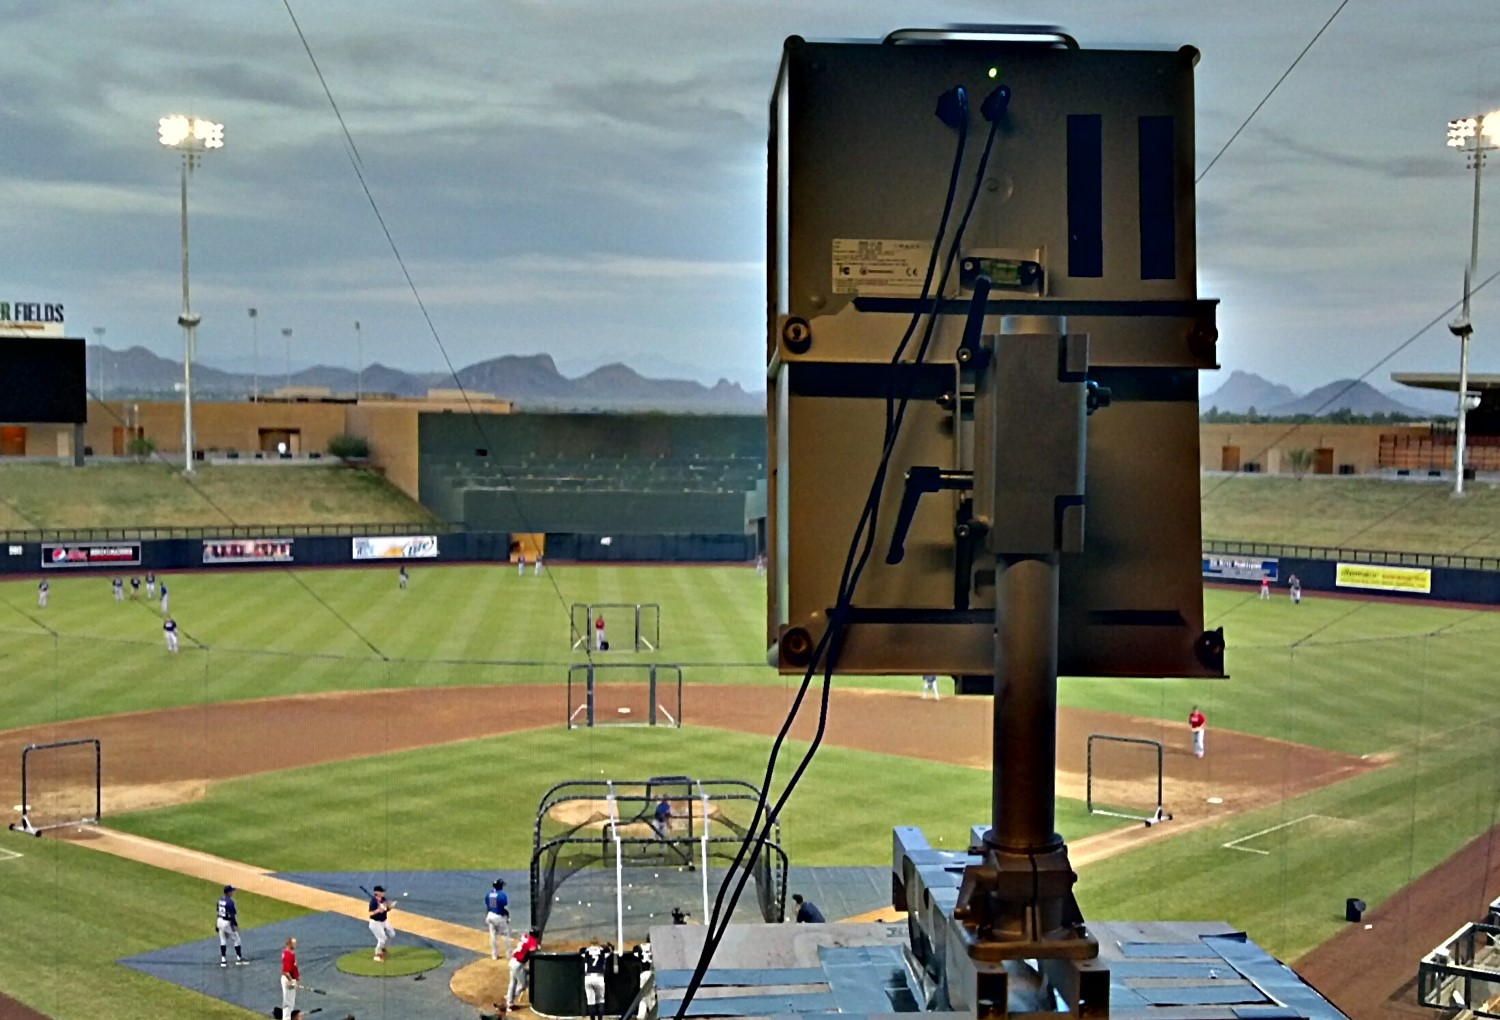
119, 586
228, 924
164, 598
150, 586
380, 925
170, 629
135, 586
497, 917
401, 579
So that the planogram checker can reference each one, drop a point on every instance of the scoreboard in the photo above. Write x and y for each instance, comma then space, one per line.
43, 380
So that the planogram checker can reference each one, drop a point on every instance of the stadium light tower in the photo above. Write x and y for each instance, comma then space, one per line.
254, 355
286, 334
1474, 136
191, 137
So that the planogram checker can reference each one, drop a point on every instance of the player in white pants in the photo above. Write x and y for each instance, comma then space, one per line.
521, 565
169, 628
380, 927
290, 976
42, 590
536, 568
530, 942
929, 686
228, 925
497, 917
596, 960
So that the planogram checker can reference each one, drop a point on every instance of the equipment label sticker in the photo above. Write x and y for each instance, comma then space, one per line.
878, 268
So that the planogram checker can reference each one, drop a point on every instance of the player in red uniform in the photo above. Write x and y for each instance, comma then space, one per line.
599, 643
529, 943
1265, 587
290, 976
1197, 722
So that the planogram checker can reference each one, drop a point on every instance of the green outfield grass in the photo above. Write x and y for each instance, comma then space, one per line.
1411, 684
1355, 513
34, 495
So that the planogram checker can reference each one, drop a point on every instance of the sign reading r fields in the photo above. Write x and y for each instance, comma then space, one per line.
30, 311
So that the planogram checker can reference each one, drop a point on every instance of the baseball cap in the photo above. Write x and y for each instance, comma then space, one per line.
229, 888
380, 888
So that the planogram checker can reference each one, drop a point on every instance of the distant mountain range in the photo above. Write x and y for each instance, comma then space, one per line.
532, 381
1245, 390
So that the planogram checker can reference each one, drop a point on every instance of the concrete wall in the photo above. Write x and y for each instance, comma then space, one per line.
391, 431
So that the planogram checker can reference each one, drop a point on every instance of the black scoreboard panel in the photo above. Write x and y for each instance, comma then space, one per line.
43, 379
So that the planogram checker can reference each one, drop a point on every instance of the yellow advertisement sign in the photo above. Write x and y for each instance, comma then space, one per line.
1373, 575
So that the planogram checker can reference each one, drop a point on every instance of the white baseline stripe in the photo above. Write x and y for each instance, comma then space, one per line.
9, 855
1233, 844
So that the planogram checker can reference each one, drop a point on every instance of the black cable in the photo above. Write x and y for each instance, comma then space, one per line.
828, 646
1266, 98
357, 163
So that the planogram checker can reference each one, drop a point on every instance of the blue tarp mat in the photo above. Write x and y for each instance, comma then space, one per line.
1167, 951
868, 979
755, 1005
722, 976
1129, 969
1220, 993
1267, 1013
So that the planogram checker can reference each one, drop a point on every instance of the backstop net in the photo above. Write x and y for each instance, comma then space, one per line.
60, 785
624, 694
628, 626
610, 858
1125, 778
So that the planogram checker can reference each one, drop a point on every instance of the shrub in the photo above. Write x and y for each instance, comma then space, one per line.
349, 447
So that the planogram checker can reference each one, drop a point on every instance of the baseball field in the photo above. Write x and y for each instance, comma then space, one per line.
327, 721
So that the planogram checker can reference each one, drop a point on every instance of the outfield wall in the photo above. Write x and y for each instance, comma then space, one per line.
125, 557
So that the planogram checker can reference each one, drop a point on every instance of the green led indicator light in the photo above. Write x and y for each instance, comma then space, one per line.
994, 72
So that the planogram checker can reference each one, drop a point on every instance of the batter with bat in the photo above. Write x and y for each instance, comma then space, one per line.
380, 925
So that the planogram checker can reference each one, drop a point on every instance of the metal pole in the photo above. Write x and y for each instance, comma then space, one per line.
255, 354
287, 335
1463, 340
99, 342
1025, 760
359, 339
189, 329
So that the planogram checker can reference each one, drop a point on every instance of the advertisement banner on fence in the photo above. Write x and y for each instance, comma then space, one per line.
396, 547
1218, 567
91, 554
247, 550
1371, 575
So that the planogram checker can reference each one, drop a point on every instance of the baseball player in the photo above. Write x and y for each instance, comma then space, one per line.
595, 960
401, 579
536, 566
530, 943
42, 591
119, 586
661, 820
1197, 722
599, 643
380, 926
170, 629
647, 1005
1295, 584
1265, 587
135, 586
228, 925
807, 911
290, 976
150, 586
520, 564
497, 917
929, 686
164, 598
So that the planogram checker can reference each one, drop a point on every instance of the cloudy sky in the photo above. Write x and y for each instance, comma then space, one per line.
587, 179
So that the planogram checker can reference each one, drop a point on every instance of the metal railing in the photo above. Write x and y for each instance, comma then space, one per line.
1338, 554
15, 536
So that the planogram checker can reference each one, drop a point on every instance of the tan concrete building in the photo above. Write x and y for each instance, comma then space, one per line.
1336, 449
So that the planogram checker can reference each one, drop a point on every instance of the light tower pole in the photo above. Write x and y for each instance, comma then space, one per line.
1475, 136
286, 334
359, 340
254, 355
192, 137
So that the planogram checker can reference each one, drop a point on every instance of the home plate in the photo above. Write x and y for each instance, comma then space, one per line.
1216, 800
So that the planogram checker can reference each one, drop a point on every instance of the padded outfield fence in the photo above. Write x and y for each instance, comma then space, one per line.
638, 621
624, 694
61, 785
626, 868
1125, 778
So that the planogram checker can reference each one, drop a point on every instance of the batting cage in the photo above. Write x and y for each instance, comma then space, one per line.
624, 694
613, 857
1125, 778
60, 785
628, 626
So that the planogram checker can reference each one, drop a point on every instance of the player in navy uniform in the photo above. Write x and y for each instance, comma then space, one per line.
164, 598
150, 586
497, 917
380, 926
42, 591
229, 929
119, 586
595, 960
170, 629
401, 578
807, 911
135, 587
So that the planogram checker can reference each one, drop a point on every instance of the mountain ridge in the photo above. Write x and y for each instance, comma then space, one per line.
1244, 391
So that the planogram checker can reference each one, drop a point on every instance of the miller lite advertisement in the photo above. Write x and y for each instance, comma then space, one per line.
90, 554
396, 547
